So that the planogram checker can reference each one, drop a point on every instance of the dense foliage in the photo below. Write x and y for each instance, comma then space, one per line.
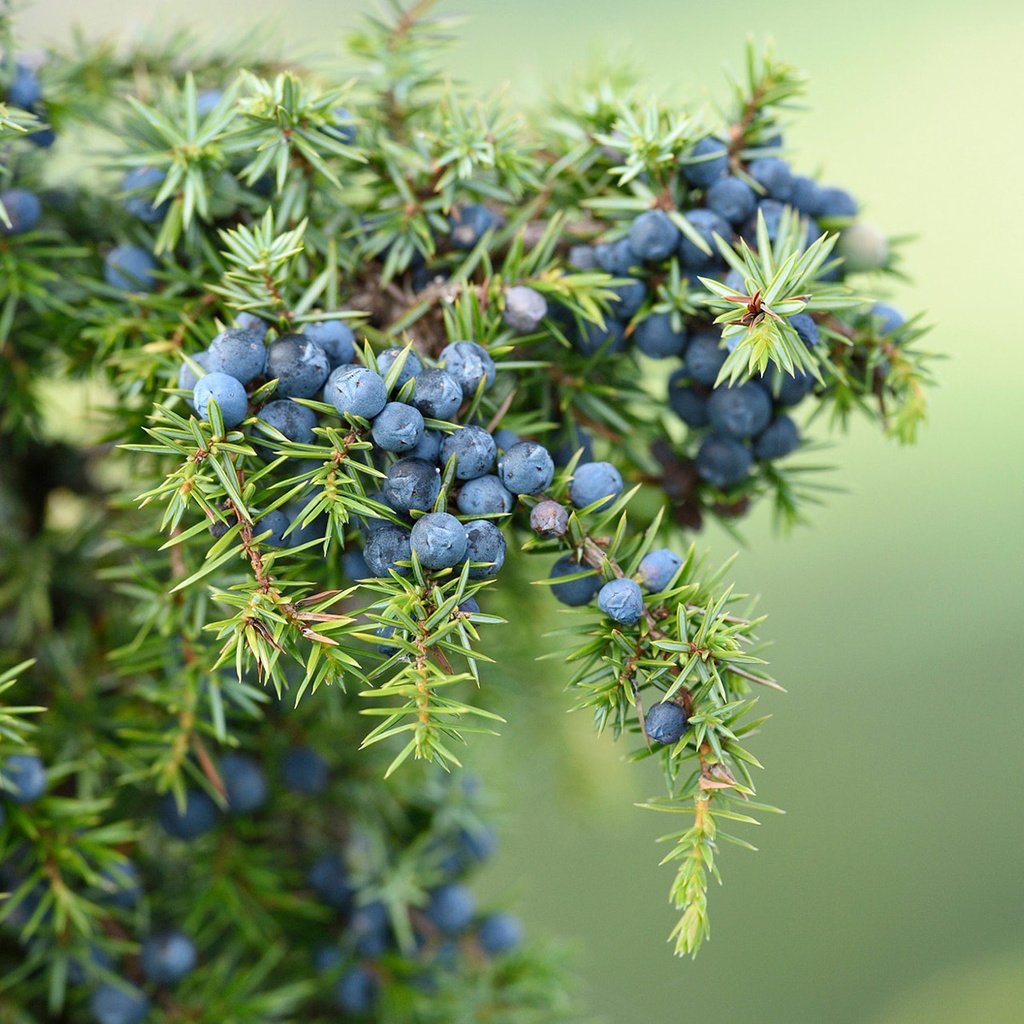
358, 344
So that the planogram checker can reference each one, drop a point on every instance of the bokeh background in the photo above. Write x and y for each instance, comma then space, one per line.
892, 892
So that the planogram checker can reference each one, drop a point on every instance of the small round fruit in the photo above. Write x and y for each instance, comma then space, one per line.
621, 600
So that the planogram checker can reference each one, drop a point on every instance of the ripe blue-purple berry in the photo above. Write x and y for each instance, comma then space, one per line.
621, 600
779, 439
707, 161
244, 783
439, 540
412, 484
706, 223
526, 468
483, 496
705, 356
665, 722
469, 363
469, 223
356, 391
740, 411
653, 236
335, 337
386, 548
238, 353
304, 771
227, 392
722, 461
130, 268
198, 815
500, 933
167, 957
411, 365
594, 481
397, 427
300, 365
451, 908
578, 592
437, 394
22, 778
484, 544
140, 185
657, 338
657, 568
473, 449
733, 200
525, 308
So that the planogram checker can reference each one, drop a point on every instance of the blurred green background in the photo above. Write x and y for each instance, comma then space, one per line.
892, 892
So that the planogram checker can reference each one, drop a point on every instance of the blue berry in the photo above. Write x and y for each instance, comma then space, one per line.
469, 224
583, 258
140, 185
327, 959
251, 322
805, 195
371, 928
356, 990
707, 224
733, 200
167, 957
594, 481
484, 544
328, 878
772, 211
615, 258
470, 606
525, 308
689, 405
227, 392
428, 447
707, 161
577, 440
207, 101
122, 885
705, 357
806, 329
722, 461
574, 593
299, 364
335, 337
23, 778
887, 318
500, 933
244, 783
789, 390
356, 391
526, 468
774, 176
197, 817
342, 130
657, 338
474, 451
412, 484
354, 565
652, 236
740, 411
592, 338
277, 523
486, 495
238, 353
130, 268
629, 297
477, 845
398, 427
386, 548
836, 204
504, 439
437, 394
411, 365
24, 91
304, 771
621, 600
451, 908
315, 529
665, 722
111, 1004
469, 363
187, 378
657, 568
439, 540
294, 421
779, 439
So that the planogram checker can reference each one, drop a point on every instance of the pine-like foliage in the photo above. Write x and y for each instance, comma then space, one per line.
236, 692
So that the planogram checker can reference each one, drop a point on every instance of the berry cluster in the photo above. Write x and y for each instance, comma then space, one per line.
732, 430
